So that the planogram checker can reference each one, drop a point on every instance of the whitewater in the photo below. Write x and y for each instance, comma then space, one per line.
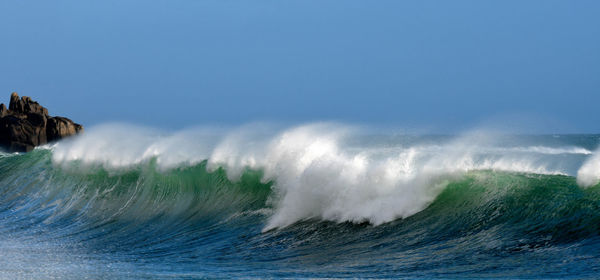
315, 200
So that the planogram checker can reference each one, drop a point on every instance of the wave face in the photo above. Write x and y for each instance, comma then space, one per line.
320, 200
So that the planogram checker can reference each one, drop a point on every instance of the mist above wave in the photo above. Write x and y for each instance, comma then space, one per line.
589, 173
317, 172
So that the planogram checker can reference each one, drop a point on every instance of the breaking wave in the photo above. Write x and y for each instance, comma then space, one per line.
255, 201
318, 171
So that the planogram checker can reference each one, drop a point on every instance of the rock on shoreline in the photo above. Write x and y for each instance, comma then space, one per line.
26, 124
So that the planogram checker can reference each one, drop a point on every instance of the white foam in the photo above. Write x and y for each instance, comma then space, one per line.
315, 174
552, 150
589, 173
121, 145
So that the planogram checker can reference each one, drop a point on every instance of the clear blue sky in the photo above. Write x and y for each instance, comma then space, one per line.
178, 63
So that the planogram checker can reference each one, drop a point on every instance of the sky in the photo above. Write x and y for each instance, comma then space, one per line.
438, 65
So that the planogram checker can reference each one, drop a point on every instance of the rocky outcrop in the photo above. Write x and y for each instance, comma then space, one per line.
26, 124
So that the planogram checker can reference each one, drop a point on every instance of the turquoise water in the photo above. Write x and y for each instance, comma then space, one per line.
302, 203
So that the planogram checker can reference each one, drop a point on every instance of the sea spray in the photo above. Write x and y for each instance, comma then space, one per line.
316, 173
589, 174
257, 201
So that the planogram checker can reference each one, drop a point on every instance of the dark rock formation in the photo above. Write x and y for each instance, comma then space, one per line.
26, 124
60, 127
3, 110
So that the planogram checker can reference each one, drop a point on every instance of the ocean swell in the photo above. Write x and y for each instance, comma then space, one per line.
258, 200
317, 171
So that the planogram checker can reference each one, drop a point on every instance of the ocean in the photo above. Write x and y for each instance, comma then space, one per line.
311, 201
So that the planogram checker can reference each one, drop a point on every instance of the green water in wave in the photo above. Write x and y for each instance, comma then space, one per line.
189, 222
544, 208
137, 193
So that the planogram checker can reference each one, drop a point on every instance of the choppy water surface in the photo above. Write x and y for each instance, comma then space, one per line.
311, 201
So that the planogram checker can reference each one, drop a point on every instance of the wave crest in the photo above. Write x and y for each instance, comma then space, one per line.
589, 173
319, 171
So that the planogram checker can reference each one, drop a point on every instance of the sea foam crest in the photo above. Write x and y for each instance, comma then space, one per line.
589, 173
316, 173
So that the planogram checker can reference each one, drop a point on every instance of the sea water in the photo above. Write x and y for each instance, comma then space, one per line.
317, 200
